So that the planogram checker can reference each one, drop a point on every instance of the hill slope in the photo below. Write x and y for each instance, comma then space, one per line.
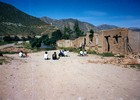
84, 26
134, 29
106, 27
14, 21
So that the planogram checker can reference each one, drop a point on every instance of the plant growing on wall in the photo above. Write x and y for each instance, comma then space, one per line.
91, 35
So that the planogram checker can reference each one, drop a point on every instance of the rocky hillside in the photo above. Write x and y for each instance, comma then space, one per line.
106, 27
84, 26
14, 21
134, 29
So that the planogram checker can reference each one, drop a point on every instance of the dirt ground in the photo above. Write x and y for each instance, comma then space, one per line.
69, 78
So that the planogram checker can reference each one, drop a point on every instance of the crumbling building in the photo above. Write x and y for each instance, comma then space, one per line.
120, 40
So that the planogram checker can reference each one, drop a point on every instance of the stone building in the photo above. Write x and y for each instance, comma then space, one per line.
118, 40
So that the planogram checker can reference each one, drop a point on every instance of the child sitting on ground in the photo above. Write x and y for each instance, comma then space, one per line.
46, 56
55, 56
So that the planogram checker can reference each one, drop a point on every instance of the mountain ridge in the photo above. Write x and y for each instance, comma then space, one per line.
11, 14
69, 22
106, 27
14, 21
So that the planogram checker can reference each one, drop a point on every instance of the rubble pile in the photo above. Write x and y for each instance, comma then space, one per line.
5, 59
127, 60
14, 49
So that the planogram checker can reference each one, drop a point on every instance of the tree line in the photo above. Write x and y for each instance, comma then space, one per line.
68, 33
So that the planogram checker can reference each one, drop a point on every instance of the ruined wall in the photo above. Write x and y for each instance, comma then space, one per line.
134, 41
89, 42
64, 43
95, 44
114, 40
78, 42
71, 43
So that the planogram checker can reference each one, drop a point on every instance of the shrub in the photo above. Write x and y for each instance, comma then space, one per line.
135, 66
91, 52
27, 45
8, 52
108, 54
77, 50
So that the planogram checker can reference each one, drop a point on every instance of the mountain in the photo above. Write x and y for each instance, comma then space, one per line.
14, 21
84, 26
106, 27
134, 28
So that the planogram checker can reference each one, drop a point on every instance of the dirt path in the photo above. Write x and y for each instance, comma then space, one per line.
7, 45
70, 78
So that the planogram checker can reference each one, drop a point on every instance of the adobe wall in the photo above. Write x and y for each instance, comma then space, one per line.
71, 43
78, 42
95, 44
64, 43
114, 40
134, 41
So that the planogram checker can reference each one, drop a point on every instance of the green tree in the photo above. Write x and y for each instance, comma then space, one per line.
35, 42
67, 33
56, 35
77, 29
29, 37
91, 35
92, 32
46, 40
7, 38
23, 38
16, 38
65, 36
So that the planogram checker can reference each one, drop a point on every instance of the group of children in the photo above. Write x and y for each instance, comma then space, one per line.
83, 53
63, 53
23, 54
55, 56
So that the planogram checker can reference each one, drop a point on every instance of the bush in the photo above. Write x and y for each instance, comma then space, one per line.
137, 66
1, 61
108, 54
8, 52
77, 50
91, 52
27, 45
35, 42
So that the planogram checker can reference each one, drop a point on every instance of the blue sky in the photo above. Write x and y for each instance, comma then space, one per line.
123, 13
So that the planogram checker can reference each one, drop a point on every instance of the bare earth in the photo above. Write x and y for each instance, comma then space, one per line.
70, 78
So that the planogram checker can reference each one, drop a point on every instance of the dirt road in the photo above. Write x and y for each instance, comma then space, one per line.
70, 78
7, 45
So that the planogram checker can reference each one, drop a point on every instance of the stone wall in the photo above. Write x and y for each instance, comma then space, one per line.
65, 43
134, 41
114, 40
118, 40
71, 43
78, 42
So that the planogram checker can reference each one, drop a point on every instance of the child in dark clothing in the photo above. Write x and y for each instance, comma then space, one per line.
54, 56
